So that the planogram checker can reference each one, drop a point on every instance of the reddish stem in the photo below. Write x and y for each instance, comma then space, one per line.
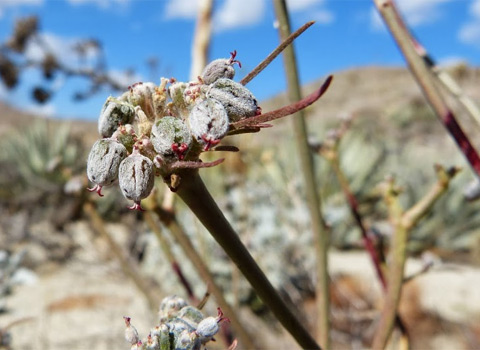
176, 268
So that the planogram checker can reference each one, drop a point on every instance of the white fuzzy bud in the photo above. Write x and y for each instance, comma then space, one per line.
208, 122
238, 101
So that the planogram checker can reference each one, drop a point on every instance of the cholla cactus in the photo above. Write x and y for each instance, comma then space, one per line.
181, 327
153, 129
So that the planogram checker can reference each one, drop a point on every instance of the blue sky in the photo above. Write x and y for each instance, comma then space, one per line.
347, 34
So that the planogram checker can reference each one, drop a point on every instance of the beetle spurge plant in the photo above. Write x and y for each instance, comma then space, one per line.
181, 327
162, 130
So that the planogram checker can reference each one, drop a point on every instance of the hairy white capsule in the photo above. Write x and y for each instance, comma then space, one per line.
208, 122
238, 101
209, 326
113, 114
207, 329
171, 138
103, 163
220, 68
136, 177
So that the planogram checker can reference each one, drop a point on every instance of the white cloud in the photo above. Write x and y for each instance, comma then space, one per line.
470, 32
5, 4
300, 5
182, 9
100, 3
475, 9
231, 14
239, 13
322, 16
415, 12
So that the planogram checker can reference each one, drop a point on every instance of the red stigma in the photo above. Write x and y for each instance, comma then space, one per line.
232, 59
221, 317
179, 150
136, 206
96, 188
209, 142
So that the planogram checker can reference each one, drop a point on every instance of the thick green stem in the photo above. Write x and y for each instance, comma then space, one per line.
194, 193
307, 169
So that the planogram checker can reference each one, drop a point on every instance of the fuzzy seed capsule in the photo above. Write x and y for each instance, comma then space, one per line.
207, 329
238, 101
171, 138
208, 122
113, 114
136, 177
220, 68
210, 326
103, 163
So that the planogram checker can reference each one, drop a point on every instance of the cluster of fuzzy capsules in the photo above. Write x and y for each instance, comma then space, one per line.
181, 327
150, 130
